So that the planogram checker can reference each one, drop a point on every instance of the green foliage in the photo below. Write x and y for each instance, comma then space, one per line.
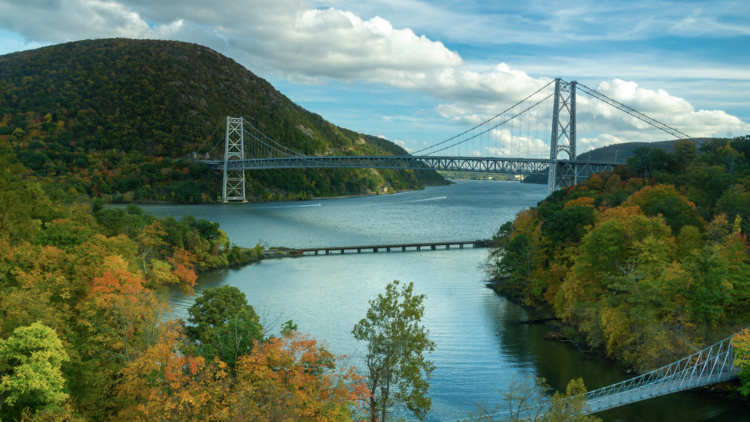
397, 369
528, 400
707, 291
214, 309
30, 362
569, 224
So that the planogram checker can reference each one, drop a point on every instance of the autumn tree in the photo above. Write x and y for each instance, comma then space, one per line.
397, 371
741, 343
528, 399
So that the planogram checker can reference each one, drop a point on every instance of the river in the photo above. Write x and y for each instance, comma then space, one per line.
480, 347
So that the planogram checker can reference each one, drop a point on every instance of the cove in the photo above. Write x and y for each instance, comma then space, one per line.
480, 347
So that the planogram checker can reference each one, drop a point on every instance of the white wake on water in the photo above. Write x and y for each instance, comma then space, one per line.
289, 206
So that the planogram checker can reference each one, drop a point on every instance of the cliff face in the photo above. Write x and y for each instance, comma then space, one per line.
114, 116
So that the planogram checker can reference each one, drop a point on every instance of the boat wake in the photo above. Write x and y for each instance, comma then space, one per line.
288, 206
428, 199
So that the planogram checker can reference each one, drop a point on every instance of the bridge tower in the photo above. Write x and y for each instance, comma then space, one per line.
563, 136
234, 148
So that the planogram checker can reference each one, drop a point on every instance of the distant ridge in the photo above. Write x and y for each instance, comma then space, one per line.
616, 152
621, 152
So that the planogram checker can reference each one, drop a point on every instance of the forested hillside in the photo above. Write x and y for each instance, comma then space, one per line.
114, 117
647, 262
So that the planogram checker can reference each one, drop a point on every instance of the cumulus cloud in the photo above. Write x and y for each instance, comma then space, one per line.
287, 36
311, 45
599, 124
402, 144
595, 116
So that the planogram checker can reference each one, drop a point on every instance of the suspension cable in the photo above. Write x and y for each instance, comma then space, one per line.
638, 115
496, 126
293, 152
209, 137
479, 125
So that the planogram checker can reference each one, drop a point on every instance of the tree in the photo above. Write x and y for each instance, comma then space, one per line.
398, 372
708, 289
741, 344
224, 323
30, 362
527, 400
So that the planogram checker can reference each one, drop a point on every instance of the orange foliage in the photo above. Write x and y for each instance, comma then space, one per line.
294, 376
166, 385
290, 378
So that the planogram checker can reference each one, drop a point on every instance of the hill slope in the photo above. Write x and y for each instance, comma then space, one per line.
112, 117
616, 152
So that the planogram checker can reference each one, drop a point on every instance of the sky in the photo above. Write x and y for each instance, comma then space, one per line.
417, 72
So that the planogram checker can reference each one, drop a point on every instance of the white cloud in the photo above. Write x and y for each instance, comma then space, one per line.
309, 45
402, 144
291, 37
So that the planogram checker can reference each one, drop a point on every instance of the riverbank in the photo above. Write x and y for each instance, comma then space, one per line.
569, 334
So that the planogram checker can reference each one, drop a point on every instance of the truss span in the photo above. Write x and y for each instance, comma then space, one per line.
565, 169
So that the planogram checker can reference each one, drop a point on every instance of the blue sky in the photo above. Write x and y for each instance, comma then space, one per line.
417, 71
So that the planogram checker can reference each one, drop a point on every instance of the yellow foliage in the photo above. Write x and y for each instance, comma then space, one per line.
584, 201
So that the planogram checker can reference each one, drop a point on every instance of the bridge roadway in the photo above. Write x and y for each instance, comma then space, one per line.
403, 246
580, 168
656, 389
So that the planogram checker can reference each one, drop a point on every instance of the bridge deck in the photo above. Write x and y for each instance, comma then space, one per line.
659, 388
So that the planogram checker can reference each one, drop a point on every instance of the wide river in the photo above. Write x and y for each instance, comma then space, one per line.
480, 346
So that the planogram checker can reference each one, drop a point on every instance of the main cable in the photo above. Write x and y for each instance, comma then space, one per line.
638, 115
479, 125
496, 126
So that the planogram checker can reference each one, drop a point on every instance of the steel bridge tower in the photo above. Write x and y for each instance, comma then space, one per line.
563, 135
234, 148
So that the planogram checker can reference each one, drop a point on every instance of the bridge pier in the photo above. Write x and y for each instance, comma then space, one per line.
387, 249
447, 246
461, 246
342, 251
403, 249
433, 247
327, 252
359, 250
374, 249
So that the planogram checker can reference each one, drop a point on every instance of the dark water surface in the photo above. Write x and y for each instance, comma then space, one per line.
479, 345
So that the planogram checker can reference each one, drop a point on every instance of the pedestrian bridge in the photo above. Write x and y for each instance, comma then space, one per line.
714, 364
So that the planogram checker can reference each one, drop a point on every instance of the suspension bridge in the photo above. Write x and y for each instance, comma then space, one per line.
511, 142
714, 364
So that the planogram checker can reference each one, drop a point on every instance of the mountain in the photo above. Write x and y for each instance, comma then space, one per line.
113, 118
616, 152
621, 152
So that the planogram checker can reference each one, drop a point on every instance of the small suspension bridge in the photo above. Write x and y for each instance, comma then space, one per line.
714, 364
511, 142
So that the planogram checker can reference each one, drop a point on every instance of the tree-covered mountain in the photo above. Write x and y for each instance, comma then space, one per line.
116, 117
621, 152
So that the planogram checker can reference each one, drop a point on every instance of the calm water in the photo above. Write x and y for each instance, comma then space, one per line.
479, 345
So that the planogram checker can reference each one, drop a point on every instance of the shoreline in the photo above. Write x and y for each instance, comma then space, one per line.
314, 198
725, 390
